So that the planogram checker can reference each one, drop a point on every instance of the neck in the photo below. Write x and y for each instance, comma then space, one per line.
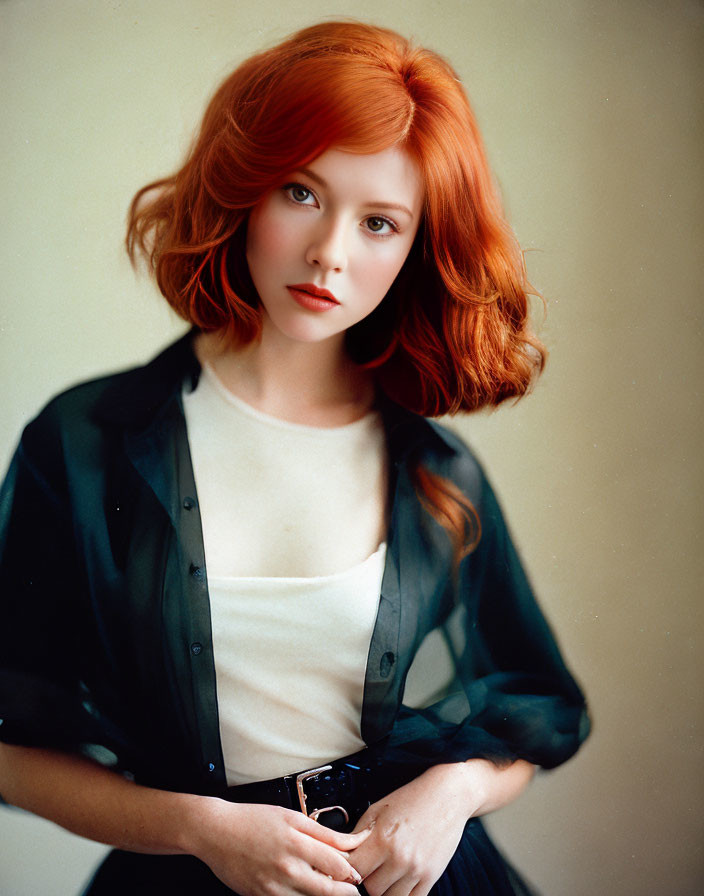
314, 383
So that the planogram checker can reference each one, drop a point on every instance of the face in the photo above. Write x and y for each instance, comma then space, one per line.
324, 248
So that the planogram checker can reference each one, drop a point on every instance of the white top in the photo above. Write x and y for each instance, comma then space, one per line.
293, 517
279, 498
290, 658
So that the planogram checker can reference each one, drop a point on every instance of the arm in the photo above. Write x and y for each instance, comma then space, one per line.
485, 786
416, 829
512, 700
251, 848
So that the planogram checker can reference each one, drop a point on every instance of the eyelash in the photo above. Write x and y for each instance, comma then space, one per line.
287, 188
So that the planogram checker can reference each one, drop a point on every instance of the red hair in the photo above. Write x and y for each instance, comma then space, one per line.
453, 334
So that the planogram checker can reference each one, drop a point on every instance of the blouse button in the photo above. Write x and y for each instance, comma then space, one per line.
387, 661
211, 767
196, 648
196, 571
189, 503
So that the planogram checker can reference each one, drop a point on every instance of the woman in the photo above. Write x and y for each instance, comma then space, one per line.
195, 669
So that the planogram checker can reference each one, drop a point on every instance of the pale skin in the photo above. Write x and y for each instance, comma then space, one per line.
266, 850
346, 224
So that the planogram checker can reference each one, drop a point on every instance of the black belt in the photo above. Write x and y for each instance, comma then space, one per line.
336, 794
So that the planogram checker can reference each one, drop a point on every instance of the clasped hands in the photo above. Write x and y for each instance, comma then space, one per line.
400, 846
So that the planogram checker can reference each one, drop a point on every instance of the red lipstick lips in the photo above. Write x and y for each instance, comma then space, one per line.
312, 297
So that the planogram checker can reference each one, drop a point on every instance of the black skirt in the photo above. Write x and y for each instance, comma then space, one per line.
476, 869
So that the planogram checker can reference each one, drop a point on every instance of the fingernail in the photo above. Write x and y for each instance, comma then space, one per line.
355, 878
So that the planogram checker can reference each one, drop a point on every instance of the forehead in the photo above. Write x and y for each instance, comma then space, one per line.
389, 176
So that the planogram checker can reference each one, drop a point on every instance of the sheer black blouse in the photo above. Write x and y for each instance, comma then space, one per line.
107, 648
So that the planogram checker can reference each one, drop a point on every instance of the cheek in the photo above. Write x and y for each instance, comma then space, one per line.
269, 238
382, 274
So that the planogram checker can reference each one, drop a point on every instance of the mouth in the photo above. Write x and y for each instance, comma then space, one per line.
312, 297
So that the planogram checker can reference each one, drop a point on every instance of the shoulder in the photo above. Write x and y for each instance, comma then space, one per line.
79, 423
410, 434
415, 441
449, 455
79, 402
65, 420
71, 424
125, 398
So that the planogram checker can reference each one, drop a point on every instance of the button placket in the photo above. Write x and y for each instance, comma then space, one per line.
197, 652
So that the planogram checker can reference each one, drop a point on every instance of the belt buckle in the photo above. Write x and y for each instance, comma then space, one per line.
300, 781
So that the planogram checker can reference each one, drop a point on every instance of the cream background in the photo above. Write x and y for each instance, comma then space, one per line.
592, 116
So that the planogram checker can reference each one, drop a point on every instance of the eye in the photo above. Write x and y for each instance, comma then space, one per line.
299, 194
380, 226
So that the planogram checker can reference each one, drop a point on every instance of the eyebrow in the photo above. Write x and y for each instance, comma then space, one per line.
382, 204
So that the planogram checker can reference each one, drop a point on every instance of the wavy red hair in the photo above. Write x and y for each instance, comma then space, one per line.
453, 334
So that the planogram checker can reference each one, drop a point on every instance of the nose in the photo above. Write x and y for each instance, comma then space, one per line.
327, 247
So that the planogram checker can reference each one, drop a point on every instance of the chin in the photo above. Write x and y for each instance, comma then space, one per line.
300, 328
308, 334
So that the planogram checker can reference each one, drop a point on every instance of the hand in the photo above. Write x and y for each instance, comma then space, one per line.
416, 829
415, 832
270, 851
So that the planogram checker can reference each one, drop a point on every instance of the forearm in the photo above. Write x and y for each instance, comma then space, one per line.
251, 848
99, 804
485, 786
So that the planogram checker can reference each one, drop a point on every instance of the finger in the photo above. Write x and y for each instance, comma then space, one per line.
396, 868
343, 842
369, 856
391, 882
313, 881
422, 889
327, 860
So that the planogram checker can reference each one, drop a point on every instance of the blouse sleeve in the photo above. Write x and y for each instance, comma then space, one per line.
43, 701
512, 695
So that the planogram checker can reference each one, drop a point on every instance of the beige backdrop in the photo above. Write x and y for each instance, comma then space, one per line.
592, 117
